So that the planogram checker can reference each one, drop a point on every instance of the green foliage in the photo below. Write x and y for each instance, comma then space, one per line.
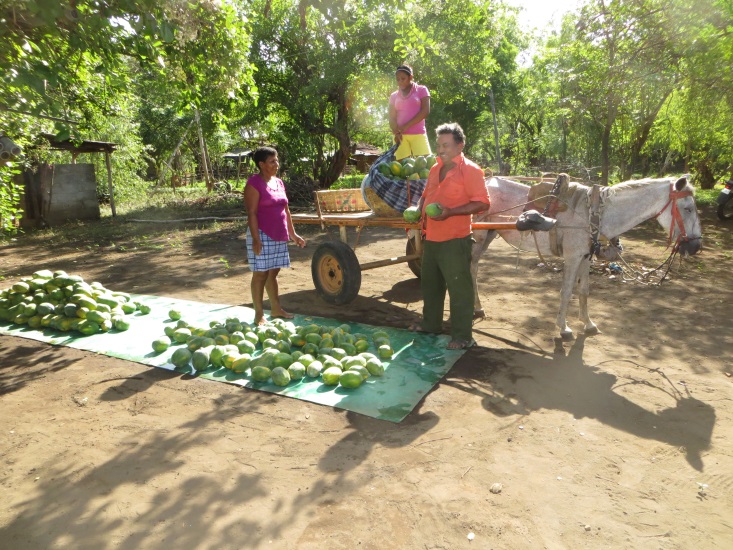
10, 211
350, 181
70, 67
623, 89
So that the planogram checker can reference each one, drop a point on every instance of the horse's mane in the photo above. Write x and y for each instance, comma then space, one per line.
637, 184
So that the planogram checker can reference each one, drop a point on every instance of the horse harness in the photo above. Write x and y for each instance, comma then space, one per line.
674, 196
595, 206
595, 200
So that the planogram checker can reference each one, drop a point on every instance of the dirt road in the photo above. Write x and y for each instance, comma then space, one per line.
622, 440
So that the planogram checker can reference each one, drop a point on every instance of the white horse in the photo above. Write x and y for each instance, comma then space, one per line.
618, 209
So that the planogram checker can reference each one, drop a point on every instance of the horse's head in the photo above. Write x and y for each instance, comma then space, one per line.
680, 216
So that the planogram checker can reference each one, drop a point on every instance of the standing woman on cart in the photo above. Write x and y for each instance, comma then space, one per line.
409, 106
270, 229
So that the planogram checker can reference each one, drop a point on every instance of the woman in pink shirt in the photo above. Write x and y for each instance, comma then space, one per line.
270, 229
409, 106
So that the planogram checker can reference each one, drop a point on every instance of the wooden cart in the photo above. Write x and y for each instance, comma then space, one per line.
335, 269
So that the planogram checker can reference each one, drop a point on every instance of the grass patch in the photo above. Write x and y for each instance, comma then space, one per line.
351, 181
707, 197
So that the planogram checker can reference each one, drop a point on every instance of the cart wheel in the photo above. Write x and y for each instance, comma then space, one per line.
414, 265
336, 272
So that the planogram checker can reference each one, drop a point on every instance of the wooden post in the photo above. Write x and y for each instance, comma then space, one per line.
109, 183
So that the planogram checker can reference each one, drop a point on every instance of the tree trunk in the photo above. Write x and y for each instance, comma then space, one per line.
335, 164
642, 136
705, 176
202, 146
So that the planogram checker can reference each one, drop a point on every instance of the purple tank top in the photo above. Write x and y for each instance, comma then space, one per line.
271, 209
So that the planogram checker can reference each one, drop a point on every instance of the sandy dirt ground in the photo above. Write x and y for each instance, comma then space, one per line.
622, 440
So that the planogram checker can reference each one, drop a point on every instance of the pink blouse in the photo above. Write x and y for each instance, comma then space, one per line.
408, 107
271, 207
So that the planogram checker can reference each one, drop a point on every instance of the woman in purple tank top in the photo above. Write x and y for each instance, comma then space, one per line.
270, 229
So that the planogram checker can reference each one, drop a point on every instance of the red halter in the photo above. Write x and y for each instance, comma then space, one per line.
674, 196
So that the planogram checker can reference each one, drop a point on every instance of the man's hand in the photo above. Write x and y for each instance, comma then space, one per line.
444, 215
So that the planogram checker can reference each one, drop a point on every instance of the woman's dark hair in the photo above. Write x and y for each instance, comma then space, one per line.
405, 69
261, 154
451, 128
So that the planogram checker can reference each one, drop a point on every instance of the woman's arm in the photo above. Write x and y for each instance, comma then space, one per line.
421, 115
300, 241
393, 123
251, 202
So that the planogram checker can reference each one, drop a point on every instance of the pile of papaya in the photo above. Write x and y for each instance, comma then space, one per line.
66, 303
278, 351
410, 168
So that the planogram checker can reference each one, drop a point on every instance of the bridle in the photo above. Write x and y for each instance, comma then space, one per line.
674, 196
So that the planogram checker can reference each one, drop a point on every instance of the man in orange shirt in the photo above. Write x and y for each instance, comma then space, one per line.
457, 186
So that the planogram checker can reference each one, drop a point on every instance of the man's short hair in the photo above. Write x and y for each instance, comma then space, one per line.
451, 128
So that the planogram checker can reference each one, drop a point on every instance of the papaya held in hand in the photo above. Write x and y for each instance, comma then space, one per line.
433, 209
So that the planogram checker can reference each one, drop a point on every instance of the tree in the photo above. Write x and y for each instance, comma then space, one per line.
310, 57
65, 61
619, 64
325, 70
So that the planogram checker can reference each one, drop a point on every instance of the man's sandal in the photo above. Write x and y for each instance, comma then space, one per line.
461, 344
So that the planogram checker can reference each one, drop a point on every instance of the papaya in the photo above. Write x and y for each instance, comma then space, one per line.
338, 353
236, 337
43, 274
350, 349
354, 361
227, 360
331, 376
260, 373
180, 335
245, 346
314, 369
181, 357
296, 370
375, 367
215, 355
385, 351
350, 379
297, 340
282, 360
280, 376
98, 317
306, 359
361, 370
161, 344
87, 327
433, 209
265, 359
411, 214
20, 287
283, 346
201, 359
310, 349
241, 363
121, 324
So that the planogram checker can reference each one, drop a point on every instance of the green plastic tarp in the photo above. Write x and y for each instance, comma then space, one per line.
419, 362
